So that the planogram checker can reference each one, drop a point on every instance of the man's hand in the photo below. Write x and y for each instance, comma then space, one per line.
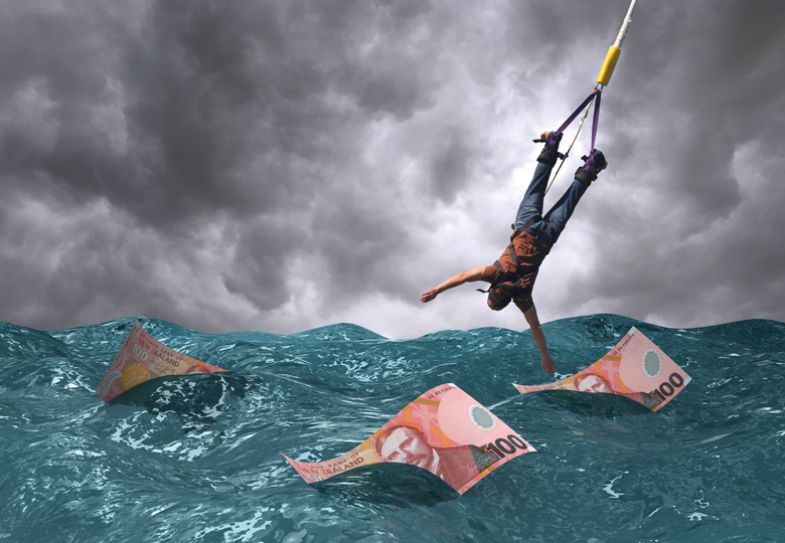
539, 338
428, 295
547, 365
474, 274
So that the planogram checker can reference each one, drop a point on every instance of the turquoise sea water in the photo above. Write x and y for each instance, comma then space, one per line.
197, 458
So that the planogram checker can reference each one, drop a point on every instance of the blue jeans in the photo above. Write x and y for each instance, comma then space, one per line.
546, 230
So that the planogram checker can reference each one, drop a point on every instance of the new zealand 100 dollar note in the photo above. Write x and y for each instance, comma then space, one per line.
142, 358
635, 368
444, 431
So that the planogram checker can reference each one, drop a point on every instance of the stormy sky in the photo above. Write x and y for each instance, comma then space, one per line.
285, 164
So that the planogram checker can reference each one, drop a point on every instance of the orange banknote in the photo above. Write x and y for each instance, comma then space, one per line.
635, 368
444, 431
142, 358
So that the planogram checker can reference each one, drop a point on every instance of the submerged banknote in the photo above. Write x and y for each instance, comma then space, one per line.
444, 431
142, 358
635, 368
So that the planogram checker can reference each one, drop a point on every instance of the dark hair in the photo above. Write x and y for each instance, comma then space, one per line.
498, 298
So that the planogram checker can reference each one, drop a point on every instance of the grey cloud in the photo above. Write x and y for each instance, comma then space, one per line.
680, 127
253, 150
257, 271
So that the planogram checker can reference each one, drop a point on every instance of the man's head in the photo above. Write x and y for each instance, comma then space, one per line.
498, 298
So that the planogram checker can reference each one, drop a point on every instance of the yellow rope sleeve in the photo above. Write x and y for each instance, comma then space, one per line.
608, 66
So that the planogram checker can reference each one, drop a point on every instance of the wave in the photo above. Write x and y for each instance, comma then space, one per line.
197, 458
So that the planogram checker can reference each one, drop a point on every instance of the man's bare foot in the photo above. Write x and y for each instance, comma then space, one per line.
548, 366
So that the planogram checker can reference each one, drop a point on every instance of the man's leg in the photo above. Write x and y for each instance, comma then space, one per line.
531, 204
560, 213
530, 208
562, 210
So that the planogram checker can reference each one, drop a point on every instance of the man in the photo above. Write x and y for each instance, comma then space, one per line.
512, 276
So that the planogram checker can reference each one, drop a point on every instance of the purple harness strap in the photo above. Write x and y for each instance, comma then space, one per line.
577, 111
595, 94
595, 121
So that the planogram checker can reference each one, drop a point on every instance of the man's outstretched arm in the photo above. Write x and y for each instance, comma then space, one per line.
474, 274
539, 338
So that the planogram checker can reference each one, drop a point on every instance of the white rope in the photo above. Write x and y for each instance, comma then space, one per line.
577, 132
626, 24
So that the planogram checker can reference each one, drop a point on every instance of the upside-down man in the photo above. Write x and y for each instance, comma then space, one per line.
512, 276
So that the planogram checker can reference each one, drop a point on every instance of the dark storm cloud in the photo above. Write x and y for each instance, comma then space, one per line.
283, 164
257, 271
183, 115
700, 252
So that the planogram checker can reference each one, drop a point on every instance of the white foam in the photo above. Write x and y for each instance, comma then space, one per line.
609, 488
243, 530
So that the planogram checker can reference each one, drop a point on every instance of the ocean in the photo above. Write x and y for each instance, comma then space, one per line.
198, 458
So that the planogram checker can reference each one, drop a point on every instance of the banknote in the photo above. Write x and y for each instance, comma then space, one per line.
142, 358
635, 368
444, 431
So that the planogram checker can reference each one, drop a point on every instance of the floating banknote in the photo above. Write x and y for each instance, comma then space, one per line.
142, 358
635, 368
444, 431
